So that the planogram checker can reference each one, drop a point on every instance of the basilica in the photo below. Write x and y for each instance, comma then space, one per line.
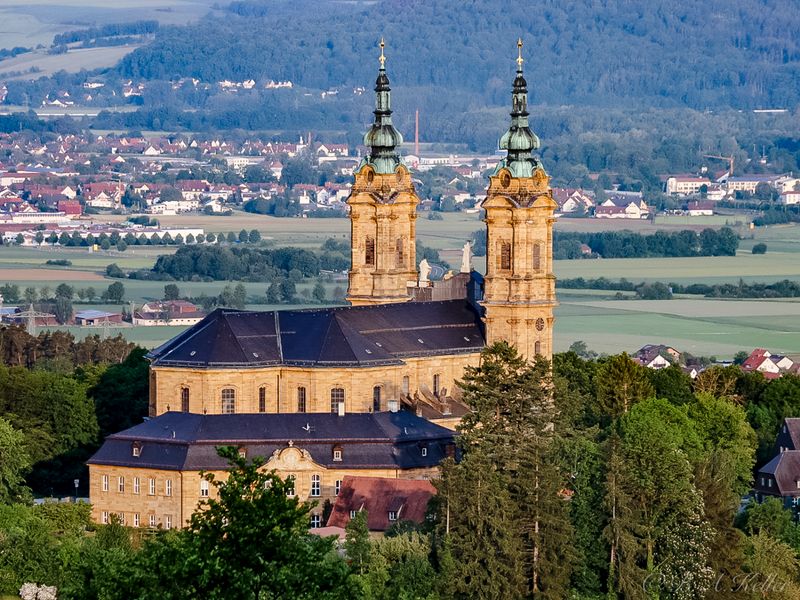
367, 389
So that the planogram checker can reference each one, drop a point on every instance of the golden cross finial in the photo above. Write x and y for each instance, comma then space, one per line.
520, 60
382, 58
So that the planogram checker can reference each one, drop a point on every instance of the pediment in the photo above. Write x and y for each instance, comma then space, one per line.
292, 458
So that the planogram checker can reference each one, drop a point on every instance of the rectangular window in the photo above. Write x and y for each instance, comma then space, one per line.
376, 399
168, 487
337, 486
353, 514
769, 483
135, 519
121, 517
399, 258
204, 488
290, 486
151, 520
369, 252
537, 257
337, 397
135, 485
137, 451
228, 401
185, 399
151, 490
262, 399
436, 379
424, 451
104, 517
105, 483
316, 521
121, 485
301, 399
406, 385
505, 256
392, 515
167, 521
315, 485
337, 454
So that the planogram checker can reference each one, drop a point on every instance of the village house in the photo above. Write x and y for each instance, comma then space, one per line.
685, 185
571, 200
167, 312
780, 477
386, 501
699, 208
768, 364
657, 356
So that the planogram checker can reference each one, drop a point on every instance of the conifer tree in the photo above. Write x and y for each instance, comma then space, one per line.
509, 437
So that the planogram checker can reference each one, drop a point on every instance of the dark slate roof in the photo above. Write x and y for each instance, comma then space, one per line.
785, 469
185, 441
339, 336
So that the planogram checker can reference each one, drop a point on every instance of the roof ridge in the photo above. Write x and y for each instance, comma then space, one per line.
178, 341
235, 337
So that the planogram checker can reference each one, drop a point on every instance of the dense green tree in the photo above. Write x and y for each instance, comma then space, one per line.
115, 292
621, 383
14, 464
671, 383
357, 545
318, 293
254, 236
62, 308
121, 393
511, 423
171, 292
250, 541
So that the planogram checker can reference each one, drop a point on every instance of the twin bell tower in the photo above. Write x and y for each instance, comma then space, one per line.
519, 285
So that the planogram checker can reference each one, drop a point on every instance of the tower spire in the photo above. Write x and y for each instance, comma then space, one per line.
519, 140
383, 139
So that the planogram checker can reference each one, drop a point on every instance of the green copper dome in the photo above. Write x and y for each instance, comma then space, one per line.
519, 140
383, 139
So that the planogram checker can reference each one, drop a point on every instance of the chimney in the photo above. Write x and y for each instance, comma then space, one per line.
341, 409
394, 406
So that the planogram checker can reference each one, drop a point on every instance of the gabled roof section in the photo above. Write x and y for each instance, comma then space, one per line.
348, 336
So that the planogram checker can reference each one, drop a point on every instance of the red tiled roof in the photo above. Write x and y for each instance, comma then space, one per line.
408, 498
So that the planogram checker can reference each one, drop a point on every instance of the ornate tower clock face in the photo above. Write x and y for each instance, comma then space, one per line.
540, 324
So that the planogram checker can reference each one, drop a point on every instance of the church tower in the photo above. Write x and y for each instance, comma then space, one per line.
383, 212
519, 290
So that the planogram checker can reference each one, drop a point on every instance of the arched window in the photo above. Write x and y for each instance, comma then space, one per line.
185, 399
369, 252
436, 382
228, 401
376, 398
537, 257
399, 254
537, 348
337, 397
505, 256
301, 399
262, 399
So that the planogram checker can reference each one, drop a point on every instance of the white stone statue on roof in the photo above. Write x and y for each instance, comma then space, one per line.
466, 258
424, 271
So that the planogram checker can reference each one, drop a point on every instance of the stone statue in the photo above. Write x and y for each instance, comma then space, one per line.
424, 271
466, 258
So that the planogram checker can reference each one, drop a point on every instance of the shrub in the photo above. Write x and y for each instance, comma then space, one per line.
760, 248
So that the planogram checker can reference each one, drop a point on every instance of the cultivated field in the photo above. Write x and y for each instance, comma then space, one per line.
71, 62
31, 22
698, 325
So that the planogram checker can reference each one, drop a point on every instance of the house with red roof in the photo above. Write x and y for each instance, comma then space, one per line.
386, 501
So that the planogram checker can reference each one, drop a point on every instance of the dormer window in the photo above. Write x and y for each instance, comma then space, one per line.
353, 514
242, 452
424, 451
136, 449
393, 515
337, 454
